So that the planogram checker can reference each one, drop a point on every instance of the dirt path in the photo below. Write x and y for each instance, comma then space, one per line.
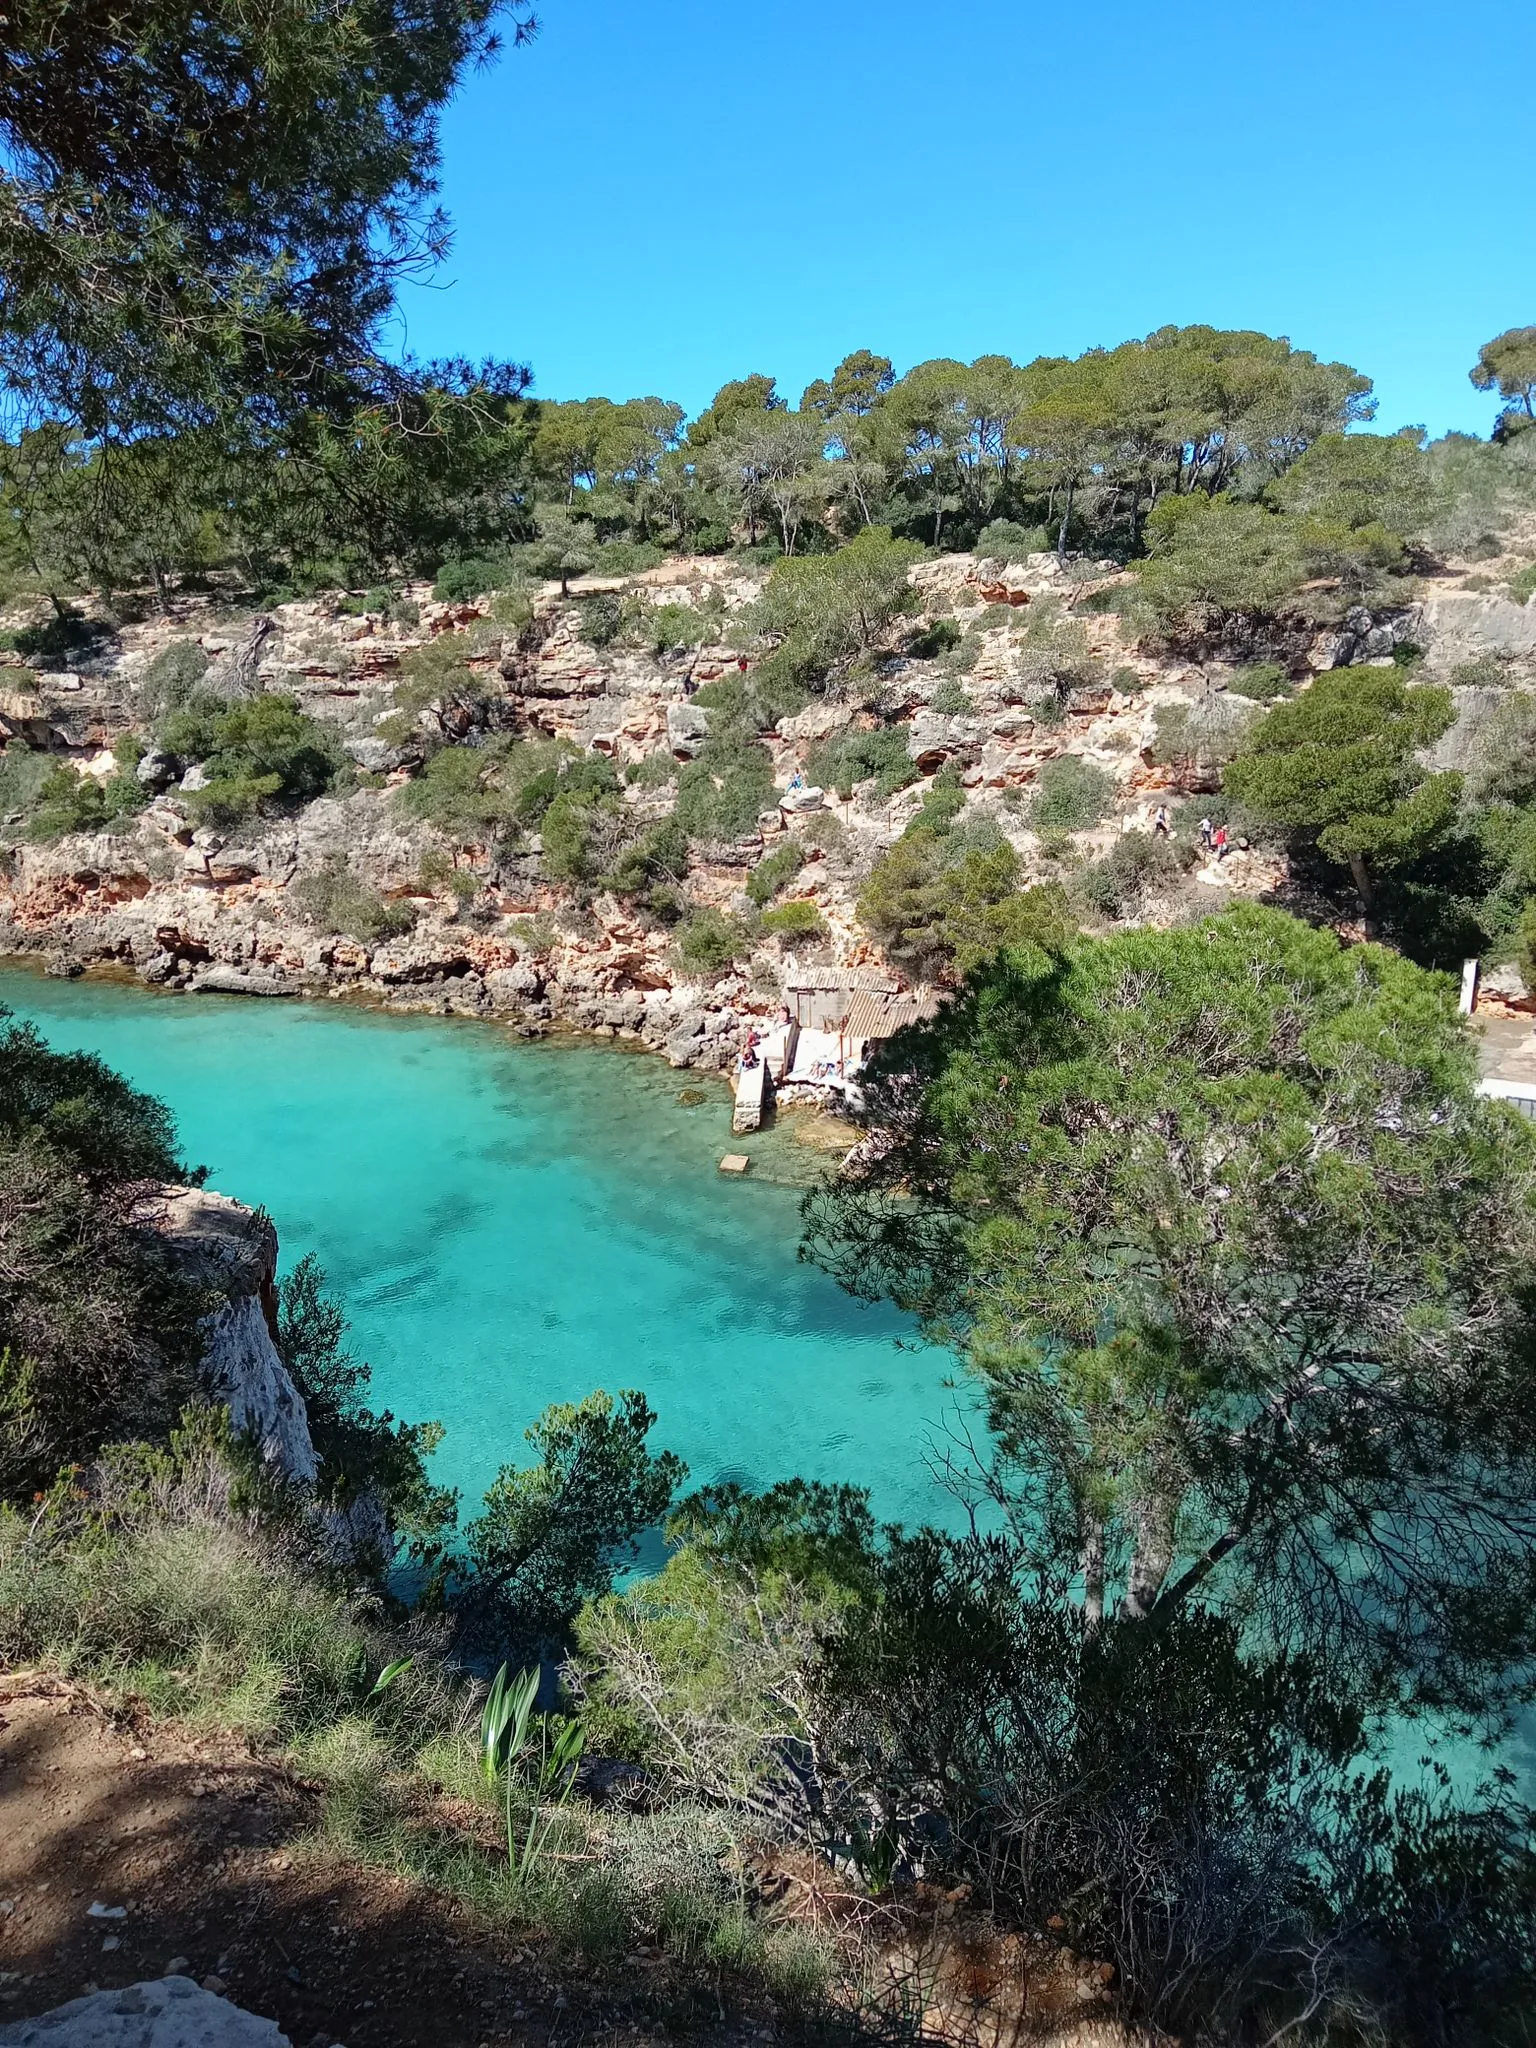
198, 1841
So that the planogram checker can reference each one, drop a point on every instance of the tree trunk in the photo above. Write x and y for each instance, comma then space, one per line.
1151, 1559
1066, 517
1093, 1573
1362, 875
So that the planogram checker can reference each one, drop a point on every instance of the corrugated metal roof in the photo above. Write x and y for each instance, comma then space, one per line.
878, 1013
820, 978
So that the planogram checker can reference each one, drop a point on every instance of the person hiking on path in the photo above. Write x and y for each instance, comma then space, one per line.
1160, 823
1205, 834
1220, 842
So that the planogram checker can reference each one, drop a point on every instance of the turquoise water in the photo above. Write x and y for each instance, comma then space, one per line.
511, 1224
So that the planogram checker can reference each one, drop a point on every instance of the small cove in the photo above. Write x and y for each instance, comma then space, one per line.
511, 1223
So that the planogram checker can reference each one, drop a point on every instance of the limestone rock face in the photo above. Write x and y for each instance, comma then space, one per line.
171, 2012
1459, 625
221, 1244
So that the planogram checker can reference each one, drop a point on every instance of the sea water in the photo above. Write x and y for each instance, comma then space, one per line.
511, 1223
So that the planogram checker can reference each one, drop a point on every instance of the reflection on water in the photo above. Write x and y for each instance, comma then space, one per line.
514, 1224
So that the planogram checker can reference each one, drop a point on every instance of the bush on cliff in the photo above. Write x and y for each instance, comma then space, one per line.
68, 801
941, 901
362, 1452
853, 757
99, 1333
469, 794
261, 753
709, 942
721, 795
335, 899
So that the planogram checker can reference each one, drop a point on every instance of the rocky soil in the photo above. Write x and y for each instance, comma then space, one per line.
185, 906
130, 1850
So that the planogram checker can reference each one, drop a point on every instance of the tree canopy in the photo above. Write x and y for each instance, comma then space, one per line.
206, 206
1341, 762
1237, 1251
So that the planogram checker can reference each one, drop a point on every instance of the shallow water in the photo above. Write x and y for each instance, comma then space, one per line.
511, 1224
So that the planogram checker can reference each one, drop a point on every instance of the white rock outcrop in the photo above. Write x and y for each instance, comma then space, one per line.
222, 1244
169, 2012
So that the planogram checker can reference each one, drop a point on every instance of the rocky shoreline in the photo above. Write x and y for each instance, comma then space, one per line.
180, 905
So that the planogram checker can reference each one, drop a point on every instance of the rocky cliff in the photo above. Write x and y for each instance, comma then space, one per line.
187, 906
232, 1250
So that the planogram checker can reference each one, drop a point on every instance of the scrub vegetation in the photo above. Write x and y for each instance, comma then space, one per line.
1214, 1217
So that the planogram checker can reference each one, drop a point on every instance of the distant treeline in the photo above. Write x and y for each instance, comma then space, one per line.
1222, 452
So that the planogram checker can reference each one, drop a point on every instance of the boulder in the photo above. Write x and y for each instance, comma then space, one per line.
1460, 625
687, 728
515, 985
803, 799
156, 770
424, 958
196, 778
816, 722
934, 738
373, 755
169, 2012
223, 980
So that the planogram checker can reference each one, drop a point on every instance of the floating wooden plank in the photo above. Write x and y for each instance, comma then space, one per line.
735, 1162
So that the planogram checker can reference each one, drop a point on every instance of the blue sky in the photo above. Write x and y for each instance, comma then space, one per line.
652, 199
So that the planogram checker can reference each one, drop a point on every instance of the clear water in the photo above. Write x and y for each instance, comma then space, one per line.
511, 1224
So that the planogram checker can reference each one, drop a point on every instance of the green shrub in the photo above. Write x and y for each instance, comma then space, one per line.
721, 795
1522, 585
263, 750
825, 609
69, 802
393, 606
708, 942
653, 862
1217, 558
626, 557
942, 804
775, 871
941, 902
851, 757
463, 792
1071, 795
171, 679
798, 920
1484, 672
1006, 539
1136, 866
22, 776
600, 619
1263, 682
670, 626
333, 898
1116, 598
950, 698
573, 849
935, 639
741, 706
57, 641
472, 576
657, 771
573, 775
